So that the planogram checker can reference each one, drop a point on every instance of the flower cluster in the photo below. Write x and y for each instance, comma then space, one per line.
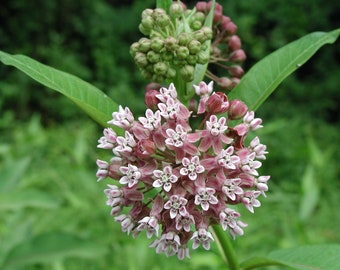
174, 43
172, 180
226, 47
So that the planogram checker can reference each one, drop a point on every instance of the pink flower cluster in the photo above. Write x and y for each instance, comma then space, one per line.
173, 181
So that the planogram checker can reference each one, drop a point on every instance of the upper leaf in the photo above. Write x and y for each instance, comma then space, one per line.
263, 78
89, 98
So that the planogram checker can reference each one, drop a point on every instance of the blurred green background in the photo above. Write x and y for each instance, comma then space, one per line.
53, 212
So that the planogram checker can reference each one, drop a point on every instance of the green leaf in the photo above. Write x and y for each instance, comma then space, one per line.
27, 198
263, 78
257, 262
10, 177
51, 247
89, 98
316, 257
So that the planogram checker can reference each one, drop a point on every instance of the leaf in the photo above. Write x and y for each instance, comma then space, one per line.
12, 173
256, 262
27, 198
52, 246
315, 257
89, 98
263, 78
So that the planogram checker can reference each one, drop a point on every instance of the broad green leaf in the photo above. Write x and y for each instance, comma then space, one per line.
316, 257
51, 247
27, 198
89, 98
263, 78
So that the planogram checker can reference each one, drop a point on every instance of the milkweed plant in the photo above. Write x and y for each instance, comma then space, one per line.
178, 173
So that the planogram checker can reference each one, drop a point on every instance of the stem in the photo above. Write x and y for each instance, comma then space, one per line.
226, 248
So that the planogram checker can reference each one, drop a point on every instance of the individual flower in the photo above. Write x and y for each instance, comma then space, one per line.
202, 237
164, 178
191, 168
176, 205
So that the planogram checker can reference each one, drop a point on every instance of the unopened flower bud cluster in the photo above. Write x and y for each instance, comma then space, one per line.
226, 47
173, 43
171, 180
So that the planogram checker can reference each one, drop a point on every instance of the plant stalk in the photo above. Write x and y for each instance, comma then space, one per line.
225, 247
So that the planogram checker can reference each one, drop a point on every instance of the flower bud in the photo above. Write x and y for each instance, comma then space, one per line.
113, 170
225, 83
187, 72
150, 98
145, 148
201, 6
144, 45
140, 59
153, 57
184, 38
234, 43
134, 48
202, 57
195, 25
170, 43
192, 59
182, 52
237, 109
160, 68
238, 56
160, 17
194, 46
147, 13
200, 36
147, 22
229, 27
157, 44
171, 73
176, 10
236, 71
217, 103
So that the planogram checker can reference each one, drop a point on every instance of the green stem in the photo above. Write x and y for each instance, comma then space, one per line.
226, 248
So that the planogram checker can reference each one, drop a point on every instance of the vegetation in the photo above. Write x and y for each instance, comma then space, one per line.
48, 189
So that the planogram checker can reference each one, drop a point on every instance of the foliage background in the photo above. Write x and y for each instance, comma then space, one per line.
48, 147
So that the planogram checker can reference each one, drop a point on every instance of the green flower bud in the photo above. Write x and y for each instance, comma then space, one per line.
167, 56
157, 44
187, 72
194, 46
203, 57
158, 78
170, 43
192, 59
171, 73
176, 10
153, 57
199, 16
140, 59
179, 62
146, 74
195, 25
182, 52
144, 44
134, 48
184, 38
143, 30
160, 68
147, 13
207, 32
160, 17
200, 36
147, 22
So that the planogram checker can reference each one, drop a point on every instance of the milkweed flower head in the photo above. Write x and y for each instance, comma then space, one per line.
177, 171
